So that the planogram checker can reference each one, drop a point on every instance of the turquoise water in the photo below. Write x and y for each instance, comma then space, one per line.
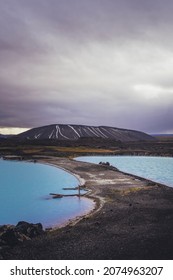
24, 194
158, 169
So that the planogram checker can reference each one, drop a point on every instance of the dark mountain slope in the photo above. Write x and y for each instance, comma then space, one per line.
75, 132
4, 136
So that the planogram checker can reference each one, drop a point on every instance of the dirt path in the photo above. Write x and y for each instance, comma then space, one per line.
133, 220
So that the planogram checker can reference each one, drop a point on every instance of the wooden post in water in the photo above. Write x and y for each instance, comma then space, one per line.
79, 190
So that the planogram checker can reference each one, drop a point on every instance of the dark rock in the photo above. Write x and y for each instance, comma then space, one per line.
12, 235
2, 242
5, 228
5, 232
104, 163
49, 228
30, 230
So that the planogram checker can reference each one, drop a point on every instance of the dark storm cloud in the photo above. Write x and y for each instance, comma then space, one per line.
100, 62
82, 20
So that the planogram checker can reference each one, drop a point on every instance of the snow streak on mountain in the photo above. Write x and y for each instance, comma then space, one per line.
75, 132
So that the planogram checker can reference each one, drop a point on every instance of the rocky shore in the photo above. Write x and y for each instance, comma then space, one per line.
133, 219
11, 235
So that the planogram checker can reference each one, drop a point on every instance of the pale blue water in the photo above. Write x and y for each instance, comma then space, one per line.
24, 194
158, 169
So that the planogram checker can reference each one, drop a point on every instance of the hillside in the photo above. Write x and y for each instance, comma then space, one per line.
2, 136
5, 136
76, 132
164, 137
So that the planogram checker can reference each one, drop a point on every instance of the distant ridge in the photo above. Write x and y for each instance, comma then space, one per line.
162, 134
4, 136
70, 132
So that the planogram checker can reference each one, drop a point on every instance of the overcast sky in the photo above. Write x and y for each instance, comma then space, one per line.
93, 62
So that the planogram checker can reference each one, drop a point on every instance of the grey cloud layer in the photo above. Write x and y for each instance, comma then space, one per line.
99, 62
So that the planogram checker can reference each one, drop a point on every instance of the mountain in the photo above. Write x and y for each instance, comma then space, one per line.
74, 132
4, 136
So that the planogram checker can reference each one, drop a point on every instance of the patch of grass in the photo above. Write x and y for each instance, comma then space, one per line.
130, 190
121, 192
167, 138
53, 150
32, 151
80, 149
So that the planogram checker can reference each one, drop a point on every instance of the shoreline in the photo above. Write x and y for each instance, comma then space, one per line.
81, 180
81, 184
133, 220
98, 202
